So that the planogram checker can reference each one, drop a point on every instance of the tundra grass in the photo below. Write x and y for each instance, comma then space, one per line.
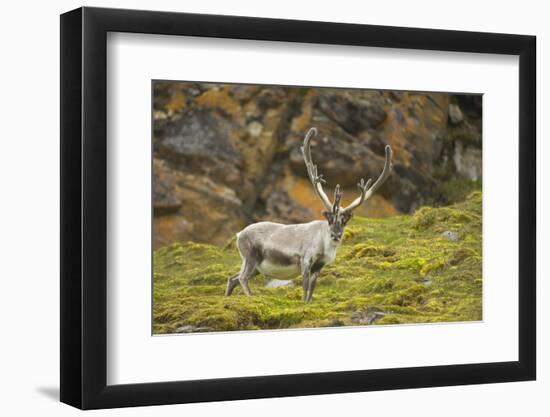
388, 271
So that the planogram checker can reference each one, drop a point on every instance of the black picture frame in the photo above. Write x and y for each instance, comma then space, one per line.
84, 207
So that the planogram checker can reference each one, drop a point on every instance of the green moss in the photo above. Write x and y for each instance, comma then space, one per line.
401, 266
455, 189
351, 231
361, 250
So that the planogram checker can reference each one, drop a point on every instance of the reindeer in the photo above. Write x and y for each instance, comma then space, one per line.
284, 251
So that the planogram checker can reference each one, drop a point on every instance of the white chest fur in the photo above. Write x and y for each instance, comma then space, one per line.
329, 252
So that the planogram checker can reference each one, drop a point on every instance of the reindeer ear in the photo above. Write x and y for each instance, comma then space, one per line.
328, 215
347, 216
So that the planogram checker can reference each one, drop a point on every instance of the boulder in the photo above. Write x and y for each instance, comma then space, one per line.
367, 317
450, 235
455, 114
280, 207
203, 142
207, 211
354, 113
467, 160
277, 283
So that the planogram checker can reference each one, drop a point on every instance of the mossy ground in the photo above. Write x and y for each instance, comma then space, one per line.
401, 266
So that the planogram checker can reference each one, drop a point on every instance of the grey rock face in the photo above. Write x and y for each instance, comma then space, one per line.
229, 155
199, 132
353, 114
164, 197
281, 208
467, 161
455, 114
334, 150
202, 142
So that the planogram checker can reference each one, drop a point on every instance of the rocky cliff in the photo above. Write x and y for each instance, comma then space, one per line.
228, 155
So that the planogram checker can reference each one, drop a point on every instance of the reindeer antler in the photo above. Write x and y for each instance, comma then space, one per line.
337, 200
367, 192
316, 179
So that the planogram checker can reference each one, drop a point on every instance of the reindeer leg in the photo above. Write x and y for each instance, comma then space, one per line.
247, 271
305, 285
250, 258
311, 286
231, 284
306, 273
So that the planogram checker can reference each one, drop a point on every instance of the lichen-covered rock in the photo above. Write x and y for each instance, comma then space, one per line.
206, 211
280, 207
354, 112
455, 114
243, 143
203, 142
212, 148
164, 196
467, 160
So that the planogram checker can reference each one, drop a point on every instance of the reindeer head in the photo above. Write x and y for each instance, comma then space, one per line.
337, 219
337, 216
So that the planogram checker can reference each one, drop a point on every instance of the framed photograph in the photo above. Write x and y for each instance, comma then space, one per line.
258, 208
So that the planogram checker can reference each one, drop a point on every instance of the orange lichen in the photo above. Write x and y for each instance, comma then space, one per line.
219, 98
176, 102
303, 121
302, 192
